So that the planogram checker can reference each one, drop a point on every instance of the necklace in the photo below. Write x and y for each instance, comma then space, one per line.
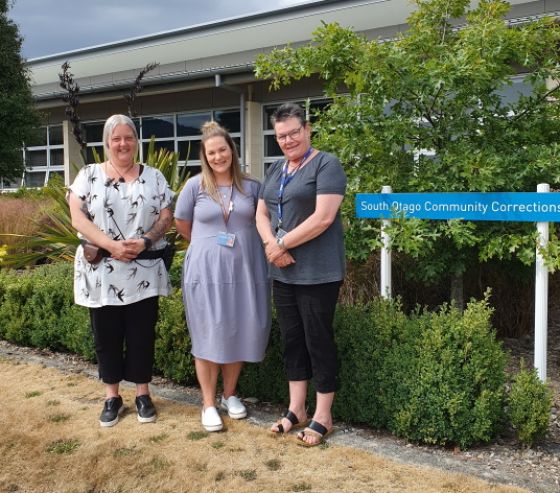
121, 177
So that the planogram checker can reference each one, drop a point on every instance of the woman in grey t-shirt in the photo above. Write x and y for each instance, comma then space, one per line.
298, 220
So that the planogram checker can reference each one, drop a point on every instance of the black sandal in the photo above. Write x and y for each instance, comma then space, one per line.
292, 418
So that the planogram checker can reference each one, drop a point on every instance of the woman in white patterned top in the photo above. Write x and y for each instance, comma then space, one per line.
124, 208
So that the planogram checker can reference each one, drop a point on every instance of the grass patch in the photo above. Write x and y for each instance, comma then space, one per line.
248, 474
196, 435
58, 418
158, 463
63, 446
273, 464
53, 402
124, 452
159, 438
303, 486
217, 445
33, 393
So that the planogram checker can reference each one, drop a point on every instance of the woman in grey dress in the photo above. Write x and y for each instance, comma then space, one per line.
225, 281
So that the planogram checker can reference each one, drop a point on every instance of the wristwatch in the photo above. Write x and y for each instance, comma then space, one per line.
147, 242
280, 242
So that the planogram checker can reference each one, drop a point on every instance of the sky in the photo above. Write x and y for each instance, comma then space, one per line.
56, 26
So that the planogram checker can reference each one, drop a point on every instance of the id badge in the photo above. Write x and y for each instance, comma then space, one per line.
225, 239
280, 233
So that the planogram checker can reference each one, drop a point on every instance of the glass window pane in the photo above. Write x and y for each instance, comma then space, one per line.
237, 142
91, 157
230, 120
35, 179
267, 114
57, 157
194, 169
55, 135
271, 147
157, 126
169, 145
189, 125
56, 175
35, 158
94, 132
39, 138
190, 146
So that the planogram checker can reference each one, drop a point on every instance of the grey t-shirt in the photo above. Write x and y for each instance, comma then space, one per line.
322, 259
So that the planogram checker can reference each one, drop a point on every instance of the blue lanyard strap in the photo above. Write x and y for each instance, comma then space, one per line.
287, 178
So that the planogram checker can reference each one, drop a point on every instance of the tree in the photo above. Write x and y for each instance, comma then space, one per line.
436, 87
18, 118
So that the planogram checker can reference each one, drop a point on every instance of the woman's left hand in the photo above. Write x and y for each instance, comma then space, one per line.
134, 246
284, 260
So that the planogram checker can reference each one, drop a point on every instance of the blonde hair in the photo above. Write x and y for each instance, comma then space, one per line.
213, 129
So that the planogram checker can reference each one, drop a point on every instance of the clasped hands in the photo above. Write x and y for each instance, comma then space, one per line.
278, 256
127, 250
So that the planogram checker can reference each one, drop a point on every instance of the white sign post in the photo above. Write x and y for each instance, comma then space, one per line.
541, 296
386, 282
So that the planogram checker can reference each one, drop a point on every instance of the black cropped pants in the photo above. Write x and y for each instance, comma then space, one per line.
124, 338
305, 315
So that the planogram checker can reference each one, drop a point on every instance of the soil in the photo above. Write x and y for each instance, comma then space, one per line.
505, 461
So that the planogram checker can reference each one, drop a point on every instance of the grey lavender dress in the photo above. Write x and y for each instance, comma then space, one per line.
226, 291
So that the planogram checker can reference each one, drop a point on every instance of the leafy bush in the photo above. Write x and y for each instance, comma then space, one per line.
436, 378
173, 345
455, 381
529, 405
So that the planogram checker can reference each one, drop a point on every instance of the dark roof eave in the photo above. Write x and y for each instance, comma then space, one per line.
182, 76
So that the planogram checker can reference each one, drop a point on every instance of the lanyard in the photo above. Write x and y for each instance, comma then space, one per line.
287, 178
229, 210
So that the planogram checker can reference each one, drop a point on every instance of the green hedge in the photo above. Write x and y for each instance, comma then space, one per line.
436, 378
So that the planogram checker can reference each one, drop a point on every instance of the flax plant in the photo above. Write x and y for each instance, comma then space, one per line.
56, 239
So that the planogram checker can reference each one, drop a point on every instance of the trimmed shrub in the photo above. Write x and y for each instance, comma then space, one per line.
266, 380
456, 393
436, 378
173, 357
529, 406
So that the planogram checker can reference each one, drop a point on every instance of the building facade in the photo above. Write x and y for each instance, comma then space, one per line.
205, 72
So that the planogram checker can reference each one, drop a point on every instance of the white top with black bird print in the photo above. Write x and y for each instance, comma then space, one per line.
121, 210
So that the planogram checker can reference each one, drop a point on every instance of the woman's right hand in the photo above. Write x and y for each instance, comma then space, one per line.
284, 260
123, 251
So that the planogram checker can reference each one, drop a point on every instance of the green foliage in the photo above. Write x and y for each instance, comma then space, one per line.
19, 119
436, 378
56, 238
456, 379
424, 113
266, 379
529, 405
173, 345
38, 309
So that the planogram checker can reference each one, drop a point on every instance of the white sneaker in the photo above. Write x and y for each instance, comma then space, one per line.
211, 420
234, 407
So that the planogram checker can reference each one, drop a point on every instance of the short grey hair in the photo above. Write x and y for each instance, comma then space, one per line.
109, 128
287, 111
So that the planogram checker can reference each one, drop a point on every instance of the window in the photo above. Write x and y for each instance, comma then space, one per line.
43, 156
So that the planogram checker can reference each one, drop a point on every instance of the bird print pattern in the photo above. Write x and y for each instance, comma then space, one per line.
121, 210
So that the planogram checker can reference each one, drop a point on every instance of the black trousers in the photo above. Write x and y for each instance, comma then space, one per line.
124, 338
305, 315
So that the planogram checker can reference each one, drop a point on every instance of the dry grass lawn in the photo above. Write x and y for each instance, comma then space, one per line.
50, 441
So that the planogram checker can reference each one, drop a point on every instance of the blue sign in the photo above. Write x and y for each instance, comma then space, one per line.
471, 206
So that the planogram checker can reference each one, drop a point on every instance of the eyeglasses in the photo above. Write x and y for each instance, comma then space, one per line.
293, 135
